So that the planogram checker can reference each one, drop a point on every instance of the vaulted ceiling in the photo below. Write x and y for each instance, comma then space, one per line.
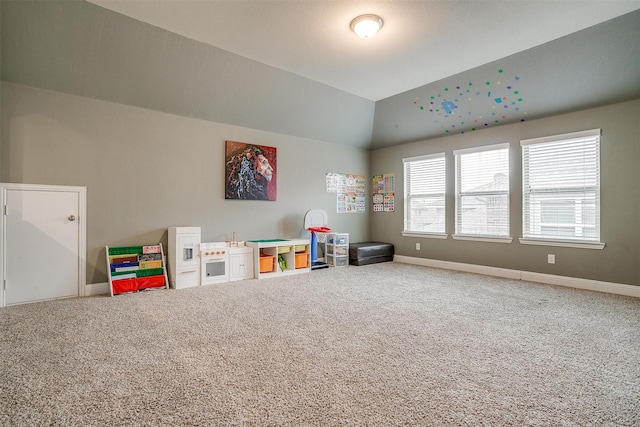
420, 42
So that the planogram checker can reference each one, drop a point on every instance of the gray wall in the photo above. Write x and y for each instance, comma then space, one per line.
145, 171
79, 48
620, 201
139, 116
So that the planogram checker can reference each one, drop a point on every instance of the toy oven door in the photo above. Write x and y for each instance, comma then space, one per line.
215, 270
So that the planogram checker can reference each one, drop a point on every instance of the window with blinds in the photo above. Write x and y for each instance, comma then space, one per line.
424, 194
561, 187
482, 191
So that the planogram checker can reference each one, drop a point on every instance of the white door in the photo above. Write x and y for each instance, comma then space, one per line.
43, 242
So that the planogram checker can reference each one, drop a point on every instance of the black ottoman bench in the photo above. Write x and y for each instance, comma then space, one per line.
370, 253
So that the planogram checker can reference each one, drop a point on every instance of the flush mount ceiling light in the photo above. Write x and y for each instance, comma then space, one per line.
366, 26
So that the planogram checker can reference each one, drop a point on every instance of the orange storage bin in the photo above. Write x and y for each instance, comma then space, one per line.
301, 260
266, 263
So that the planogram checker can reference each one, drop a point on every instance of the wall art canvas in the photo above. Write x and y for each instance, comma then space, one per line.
250, 171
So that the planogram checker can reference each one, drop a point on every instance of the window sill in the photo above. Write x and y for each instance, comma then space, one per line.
562, 243
483, 238
426, 235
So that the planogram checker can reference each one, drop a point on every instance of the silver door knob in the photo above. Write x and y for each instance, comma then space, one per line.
71, 218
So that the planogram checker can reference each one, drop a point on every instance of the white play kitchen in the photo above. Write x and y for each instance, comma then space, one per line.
195, 263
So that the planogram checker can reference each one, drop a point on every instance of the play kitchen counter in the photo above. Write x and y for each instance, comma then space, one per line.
278, 257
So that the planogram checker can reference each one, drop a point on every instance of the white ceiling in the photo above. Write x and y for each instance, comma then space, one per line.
421, 41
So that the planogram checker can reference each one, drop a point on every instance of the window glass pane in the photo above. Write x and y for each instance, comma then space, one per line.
484, 216
427, 214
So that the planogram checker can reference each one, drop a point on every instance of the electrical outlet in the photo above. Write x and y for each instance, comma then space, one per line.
417, 246
551, 258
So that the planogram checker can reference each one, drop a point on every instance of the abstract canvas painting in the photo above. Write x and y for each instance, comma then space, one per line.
250, 171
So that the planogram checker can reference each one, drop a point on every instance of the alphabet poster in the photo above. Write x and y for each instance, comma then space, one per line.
350, 191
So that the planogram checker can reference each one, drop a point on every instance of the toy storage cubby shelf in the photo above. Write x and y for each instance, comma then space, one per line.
337, 249
278, 257
136, 268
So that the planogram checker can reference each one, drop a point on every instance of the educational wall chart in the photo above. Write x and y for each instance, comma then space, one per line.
350, 191
384, 193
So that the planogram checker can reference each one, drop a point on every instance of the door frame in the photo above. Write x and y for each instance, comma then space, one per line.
82, 238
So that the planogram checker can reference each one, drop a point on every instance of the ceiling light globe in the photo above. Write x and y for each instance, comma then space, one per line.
366, 26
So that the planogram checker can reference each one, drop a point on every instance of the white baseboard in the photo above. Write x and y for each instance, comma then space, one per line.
550, 279
97, 289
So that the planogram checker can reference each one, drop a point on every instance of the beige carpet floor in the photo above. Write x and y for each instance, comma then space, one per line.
379, 345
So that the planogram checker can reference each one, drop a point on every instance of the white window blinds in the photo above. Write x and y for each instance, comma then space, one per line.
561, 187
424, 194
482, 191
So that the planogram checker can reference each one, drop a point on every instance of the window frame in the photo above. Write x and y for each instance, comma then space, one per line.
532, 210
441, 195
460, 194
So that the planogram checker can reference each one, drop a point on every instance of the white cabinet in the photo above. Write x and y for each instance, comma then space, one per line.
240, 263
279, 257
337, 249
